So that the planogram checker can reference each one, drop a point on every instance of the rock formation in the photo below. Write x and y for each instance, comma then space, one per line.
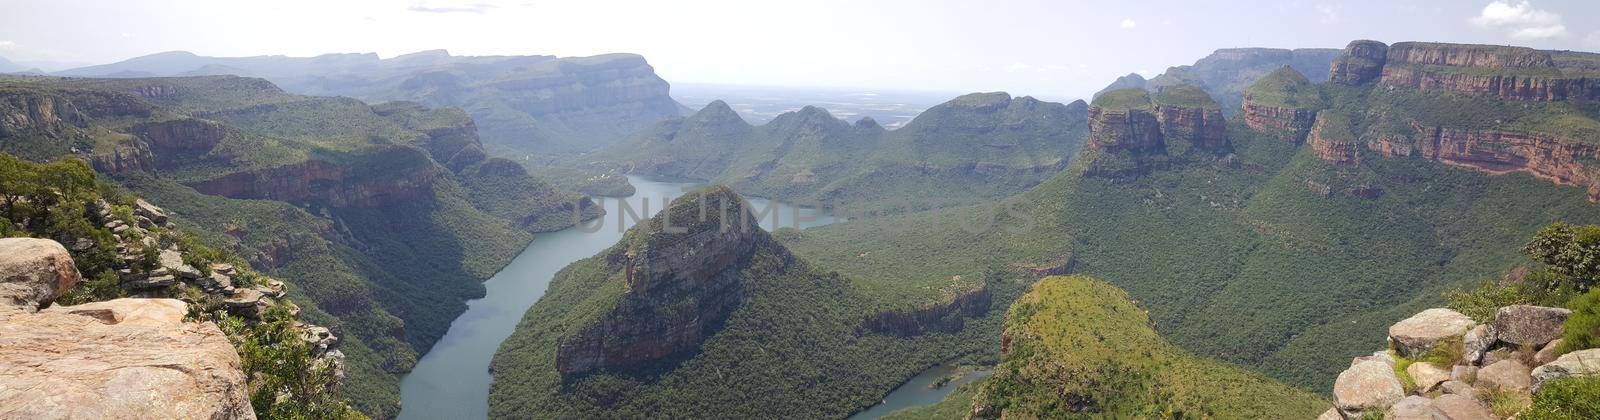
1189, 117
124, 358
1360, 63
682, 274
1497, 152
1509, 73
1124, 135
1284, 104
947, 314
1332, 140
1489, 357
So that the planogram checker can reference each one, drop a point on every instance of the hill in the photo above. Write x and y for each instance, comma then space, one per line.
385, 218
538, 105
973, 148
1226, 73
1075, 346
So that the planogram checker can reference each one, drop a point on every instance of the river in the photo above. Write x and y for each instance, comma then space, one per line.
452, 380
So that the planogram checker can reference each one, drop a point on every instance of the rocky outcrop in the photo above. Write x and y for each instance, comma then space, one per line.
1125, 135
1189, 116
1360, 63
1288, 124
1510, 73
682, 276
1493, 358
332, 184
1497, 152
33, 272
1283, 104
1331, 139
28, 111
947, 314
1130, 81
124, 358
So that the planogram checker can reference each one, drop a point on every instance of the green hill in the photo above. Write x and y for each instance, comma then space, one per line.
1075, 346
974, 148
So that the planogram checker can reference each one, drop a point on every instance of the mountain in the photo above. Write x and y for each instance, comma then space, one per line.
674, 319
1227, 72
975, 147
1076, 346
538, 105
6, 66
1304, 236
384, 218
1132, 80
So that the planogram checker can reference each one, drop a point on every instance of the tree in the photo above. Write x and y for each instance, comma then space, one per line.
1572, 252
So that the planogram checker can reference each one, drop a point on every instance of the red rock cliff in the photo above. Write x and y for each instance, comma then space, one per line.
1497, 152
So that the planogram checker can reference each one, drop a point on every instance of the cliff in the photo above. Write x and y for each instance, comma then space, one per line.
128, 358
1190, 119
682, 274
1331, 139
399, 175
1505, 72
1284, 104
1549, 157
1226, 73
1124, 134
948, 314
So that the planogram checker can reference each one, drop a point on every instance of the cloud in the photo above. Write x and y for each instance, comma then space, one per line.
7, 45
1129, 24
1329, 14
1593, 39
451, 7
1520, 20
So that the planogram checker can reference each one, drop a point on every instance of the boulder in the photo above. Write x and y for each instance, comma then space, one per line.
1426, 375
1464, 373
1476, 342
34, 272
1459, 388
1369, 386
1411, 408
1577, 363
1460, 407
124, 359
248, 303
1505, 375
1548, 354
147, 283
1425, 330
173, 260
150, 211
1530, 326
1380, 355
1331, 414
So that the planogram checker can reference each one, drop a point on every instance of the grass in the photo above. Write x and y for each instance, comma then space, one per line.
1186, 96
1131, 98
1285, 88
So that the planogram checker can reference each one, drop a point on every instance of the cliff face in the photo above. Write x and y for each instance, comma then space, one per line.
1189, 116
1360, 63
1131, 134
949, 314
1499, 152
1331, 139
327, 183
1283, 104
1127, 140
682, 276
1509, 73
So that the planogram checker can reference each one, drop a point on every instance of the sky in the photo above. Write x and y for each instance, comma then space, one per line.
1051, 49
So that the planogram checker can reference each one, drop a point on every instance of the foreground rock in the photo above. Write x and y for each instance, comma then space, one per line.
1530, 325
1369, 386
1423, 331
1578, 363
33, 272
124, 358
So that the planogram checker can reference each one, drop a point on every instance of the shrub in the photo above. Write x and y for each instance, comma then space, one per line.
1575, 397
1583, 327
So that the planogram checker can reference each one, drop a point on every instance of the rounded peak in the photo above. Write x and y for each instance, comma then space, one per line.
867, 123
1184, 95
1128, 98
1286, 74
806, 114
1366, 48
175, 53
1078, 105
1132, 77
717, 110
981, 100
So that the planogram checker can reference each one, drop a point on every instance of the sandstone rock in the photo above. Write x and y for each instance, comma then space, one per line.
1548, 353
1531, 326
248, 303
1459, 407
1426, 375
272, 288
34, 272
1380, 355
1577, 363
1369, 386
1361, 63
1411, 408
318, 339
218, 282
150, 211
157, 282
224, 268
1506, 375
1459, 388
1477, 342
124, 358
173, 260
1421, 332
1464, 373
1331, 414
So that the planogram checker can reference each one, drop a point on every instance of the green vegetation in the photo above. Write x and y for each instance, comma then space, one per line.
975, 148
1131, 98
1569, 398
1582, 330
1080, 347
1286, 88
1185, 96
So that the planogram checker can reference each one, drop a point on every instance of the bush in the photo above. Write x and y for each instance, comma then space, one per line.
1575, 397
1583, 327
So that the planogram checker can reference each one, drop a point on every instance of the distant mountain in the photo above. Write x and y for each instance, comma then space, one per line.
523, 104
1132, 80
1227, 72
6, 66
974, 147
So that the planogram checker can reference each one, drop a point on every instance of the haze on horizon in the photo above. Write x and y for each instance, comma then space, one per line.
1052, 49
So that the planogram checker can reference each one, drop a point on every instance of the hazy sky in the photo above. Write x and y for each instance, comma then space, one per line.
1058, 49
